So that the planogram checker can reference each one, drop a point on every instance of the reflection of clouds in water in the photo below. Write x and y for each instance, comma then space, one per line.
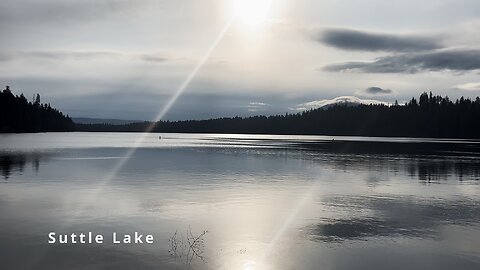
397, 257
395, 217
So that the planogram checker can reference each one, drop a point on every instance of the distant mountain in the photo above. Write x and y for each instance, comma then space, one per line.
349, 101
86, 120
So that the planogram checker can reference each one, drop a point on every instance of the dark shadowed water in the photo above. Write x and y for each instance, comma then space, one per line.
267, 202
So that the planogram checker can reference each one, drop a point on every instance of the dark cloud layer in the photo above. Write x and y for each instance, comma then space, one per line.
365, 41
449, 60
377, 91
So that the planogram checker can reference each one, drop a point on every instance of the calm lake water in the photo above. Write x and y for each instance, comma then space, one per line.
266, 202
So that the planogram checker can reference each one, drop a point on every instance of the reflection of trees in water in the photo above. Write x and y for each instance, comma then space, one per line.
426, 169
16, 163
432, 171
427, 161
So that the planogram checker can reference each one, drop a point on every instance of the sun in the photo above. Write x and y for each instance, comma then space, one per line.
252, 12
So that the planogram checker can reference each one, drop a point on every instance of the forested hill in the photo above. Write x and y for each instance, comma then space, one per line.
429, 116
18, 115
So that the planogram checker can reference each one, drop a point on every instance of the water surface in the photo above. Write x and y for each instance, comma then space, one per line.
267, 202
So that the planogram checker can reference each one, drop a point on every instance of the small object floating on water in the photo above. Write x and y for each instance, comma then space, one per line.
159, 137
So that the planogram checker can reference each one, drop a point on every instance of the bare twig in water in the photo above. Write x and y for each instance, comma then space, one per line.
188, 246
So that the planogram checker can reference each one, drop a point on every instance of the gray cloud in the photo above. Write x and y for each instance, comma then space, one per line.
79, 55
475, 86
54, 55
377, 91
348, 39
450, 60
153, 58
14, 11
257, 106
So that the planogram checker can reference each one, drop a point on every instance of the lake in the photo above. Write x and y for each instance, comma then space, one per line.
240, 201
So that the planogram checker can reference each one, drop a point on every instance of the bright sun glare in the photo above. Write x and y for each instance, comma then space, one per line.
252, 12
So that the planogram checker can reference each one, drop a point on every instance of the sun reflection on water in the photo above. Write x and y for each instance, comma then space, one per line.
249, 265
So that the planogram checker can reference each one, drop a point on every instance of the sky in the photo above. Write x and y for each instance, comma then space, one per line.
126, 59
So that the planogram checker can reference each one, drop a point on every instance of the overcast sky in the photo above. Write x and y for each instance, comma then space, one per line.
125, 59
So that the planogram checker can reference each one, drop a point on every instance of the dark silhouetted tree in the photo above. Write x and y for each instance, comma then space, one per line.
37, 100
19, 115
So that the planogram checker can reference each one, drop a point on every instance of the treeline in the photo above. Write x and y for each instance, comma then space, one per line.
19, 115
429, 116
